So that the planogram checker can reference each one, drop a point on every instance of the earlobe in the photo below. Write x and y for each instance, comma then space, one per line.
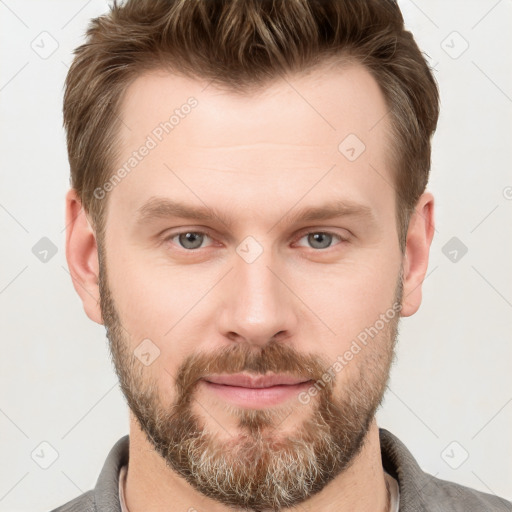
415, 264
82, 256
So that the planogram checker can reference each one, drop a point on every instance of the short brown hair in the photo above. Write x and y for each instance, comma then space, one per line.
241, 44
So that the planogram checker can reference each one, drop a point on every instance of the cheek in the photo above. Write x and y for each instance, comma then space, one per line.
348, 297
163, 304
362, 316
151, 298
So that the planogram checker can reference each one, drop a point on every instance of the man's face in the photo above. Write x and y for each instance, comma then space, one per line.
257, 288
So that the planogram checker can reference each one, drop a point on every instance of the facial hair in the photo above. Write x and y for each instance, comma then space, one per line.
258, 469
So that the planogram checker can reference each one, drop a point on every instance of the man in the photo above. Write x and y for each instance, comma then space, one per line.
248, 219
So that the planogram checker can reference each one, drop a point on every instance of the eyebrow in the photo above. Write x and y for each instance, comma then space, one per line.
163, 208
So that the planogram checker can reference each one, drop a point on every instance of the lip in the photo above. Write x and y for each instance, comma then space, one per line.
244, 380
255, 392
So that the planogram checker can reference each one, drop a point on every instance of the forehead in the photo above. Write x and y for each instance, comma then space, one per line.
274, 142
330, 100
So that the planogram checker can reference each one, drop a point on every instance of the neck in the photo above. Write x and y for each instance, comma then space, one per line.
151, 486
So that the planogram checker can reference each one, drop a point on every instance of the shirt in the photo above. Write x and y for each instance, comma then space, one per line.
418, 491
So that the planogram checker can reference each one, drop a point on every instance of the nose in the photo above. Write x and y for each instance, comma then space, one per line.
258, 306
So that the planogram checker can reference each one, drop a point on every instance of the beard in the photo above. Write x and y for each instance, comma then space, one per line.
259, 468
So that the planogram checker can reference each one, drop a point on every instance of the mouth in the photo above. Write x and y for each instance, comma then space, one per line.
257, 391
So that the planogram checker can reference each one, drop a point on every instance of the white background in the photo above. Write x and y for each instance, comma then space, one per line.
452, 380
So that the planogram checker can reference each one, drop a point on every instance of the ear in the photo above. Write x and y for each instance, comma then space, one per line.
419, 239
82, 256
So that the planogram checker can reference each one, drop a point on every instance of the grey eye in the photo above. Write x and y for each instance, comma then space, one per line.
191, 239
319, 240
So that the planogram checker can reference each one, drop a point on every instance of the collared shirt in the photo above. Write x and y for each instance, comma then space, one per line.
418, 491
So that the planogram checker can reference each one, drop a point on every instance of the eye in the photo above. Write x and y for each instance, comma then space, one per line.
189, 240
321, 239
192, 240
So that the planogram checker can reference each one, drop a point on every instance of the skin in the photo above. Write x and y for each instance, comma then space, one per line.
254, 158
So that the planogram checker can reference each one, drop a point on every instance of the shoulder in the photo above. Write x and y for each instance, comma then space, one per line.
105, 496
449, 496
82, 503
420, 491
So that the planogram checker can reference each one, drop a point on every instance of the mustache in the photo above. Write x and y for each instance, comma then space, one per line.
274, 357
